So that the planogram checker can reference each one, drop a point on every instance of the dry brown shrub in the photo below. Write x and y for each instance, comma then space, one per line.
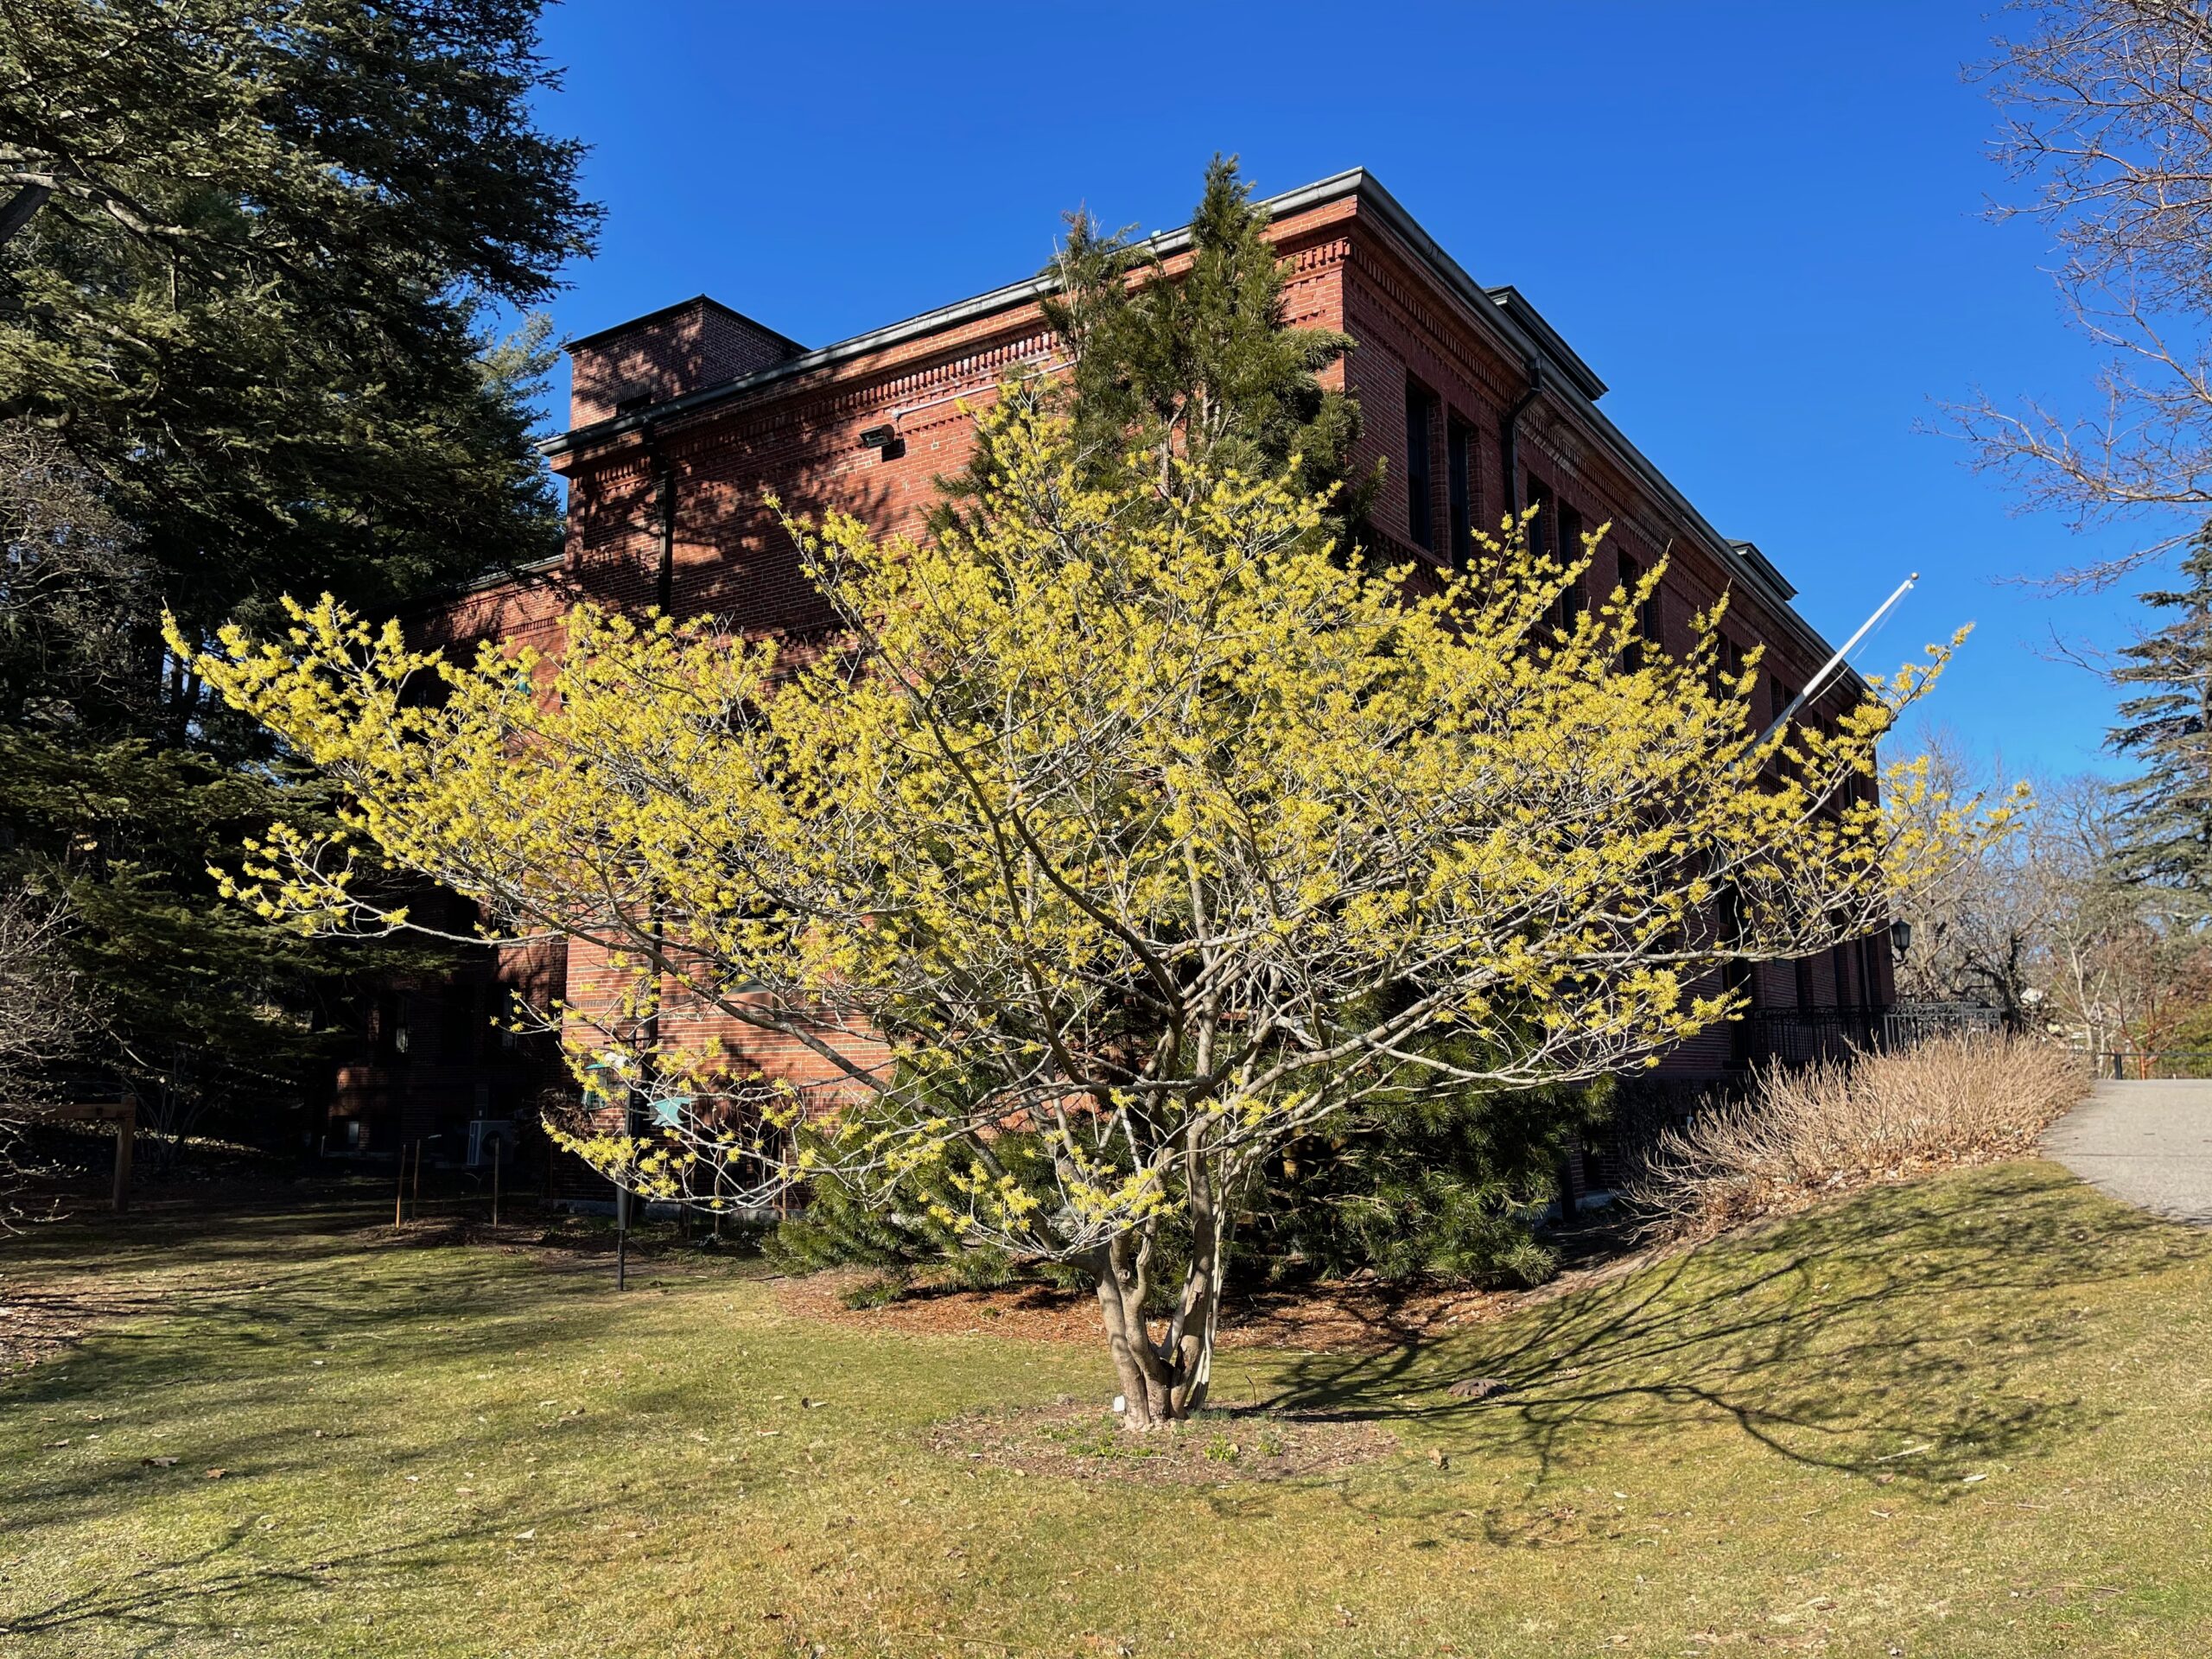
1799, 1134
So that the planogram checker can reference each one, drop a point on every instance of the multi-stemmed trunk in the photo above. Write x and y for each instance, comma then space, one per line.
1166, 1380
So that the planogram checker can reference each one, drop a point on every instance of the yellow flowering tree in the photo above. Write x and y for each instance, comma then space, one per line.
1132, 817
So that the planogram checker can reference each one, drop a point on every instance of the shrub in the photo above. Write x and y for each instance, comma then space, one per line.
1967, 1098
1445, 1191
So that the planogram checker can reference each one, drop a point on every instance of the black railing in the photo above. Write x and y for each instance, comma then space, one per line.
2165, 1065
1909, 1022
1803, 1036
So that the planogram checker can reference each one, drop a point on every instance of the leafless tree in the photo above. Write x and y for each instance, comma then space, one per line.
77, 609
1978, 936
42, 1015
2039, 927
2108, 136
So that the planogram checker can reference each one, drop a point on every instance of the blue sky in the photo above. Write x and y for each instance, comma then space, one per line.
1762, 224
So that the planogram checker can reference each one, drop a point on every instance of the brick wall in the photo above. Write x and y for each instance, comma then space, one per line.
673, 508
697, 343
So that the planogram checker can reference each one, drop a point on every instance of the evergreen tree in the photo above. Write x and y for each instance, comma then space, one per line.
249, 253
2164, 824
1199, 362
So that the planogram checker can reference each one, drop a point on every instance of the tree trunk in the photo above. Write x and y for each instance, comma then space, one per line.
1190, 1338
1147, 1392
1164, 1381
21, 208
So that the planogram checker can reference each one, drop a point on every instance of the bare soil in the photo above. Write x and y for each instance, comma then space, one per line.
1348, 1316
1080, 1442
35, 1325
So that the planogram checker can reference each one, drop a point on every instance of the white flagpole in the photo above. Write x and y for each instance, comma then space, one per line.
1813, 686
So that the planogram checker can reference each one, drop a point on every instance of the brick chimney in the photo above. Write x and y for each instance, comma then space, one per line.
681, 347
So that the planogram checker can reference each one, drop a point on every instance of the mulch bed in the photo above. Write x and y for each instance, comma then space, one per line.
1080, 1442
1352, 1316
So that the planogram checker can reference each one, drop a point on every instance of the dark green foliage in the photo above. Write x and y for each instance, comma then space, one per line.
893, 1231
1201, 362
892, 1223
2164, 824
1441, 1190
248, 252
203, 1007
261, 237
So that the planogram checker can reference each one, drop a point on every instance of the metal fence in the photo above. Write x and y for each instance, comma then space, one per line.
1803, 1036
1909, 1022
2157, 1064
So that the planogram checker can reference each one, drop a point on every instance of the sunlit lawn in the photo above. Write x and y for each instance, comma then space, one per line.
1968, 1417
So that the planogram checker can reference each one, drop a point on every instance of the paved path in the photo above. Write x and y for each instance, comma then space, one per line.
2147, 1144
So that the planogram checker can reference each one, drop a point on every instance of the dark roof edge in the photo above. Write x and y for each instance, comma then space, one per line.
1750, 550
928, 322
1513, 323
666, 311
1516, 305
1485, 307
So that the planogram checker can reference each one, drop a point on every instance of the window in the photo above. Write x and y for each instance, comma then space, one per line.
1779, 697
1541, 543
1555, 535
1458, 489
1420, 424
1727, 665
1647, 612
1570, 535
1568, 605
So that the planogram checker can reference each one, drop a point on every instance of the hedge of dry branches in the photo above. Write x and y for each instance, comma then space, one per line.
1800, 1134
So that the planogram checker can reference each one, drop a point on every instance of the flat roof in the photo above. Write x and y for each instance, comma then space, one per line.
1519, 327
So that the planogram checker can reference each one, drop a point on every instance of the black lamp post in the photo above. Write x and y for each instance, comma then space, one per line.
1901, 938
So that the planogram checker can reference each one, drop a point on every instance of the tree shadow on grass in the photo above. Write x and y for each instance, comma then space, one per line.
180, 1595
1881, 1338
253, 1346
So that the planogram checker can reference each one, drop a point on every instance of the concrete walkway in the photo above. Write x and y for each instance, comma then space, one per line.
2147, 1144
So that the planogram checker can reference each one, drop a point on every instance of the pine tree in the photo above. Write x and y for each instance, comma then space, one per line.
1201, 361
249, 252
2164, 841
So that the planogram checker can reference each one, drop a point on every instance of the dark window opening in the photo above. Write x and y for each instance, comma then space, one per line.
1421, 423
1550, 543
1727, 665
1631, 573
1568, 605
1541, 543
1570, 535
1779, 697
1458, 488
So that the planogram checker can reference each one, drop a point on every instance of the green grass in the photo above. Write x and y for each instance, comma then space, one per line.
1967, 1417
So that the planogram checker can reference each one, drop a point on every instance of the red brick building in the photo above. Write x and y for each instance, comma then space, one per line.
681, 421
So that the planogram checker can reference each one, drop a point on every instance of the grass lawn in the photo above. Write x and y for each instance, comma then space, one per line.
1966, 1417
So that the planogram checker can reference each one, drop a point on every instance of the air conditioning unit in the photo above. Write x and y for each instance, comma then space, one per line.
482, 1132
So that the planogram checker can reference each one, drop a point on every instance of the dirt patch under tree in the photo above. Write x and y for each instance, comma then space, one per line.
1080, 1442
